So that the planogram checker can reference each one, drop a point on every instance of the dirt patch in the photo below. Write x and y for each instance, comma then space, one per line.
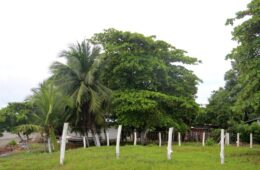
4, 151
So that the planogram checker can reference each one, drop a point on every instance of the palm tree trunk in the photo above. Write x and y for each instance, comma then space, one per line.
105, 133
95, 137
87, 139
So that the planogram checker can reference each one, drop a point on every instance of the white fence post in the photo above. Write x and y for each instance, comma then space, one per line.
63, 143
49, 144
84, 141
251, 140
179, 138
97, 139
222, 136
238, 139
107, 134
203, 139
160, 139
118, 141
169, 148
227, 139
134, 138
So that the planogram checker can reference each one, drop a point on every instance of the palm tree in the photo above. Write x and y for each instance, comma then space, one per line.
78, 79
50, 105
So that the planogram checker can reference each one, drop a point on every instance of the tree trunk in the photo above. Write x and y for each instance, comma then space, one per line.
87, 141
105, 134
21, 139
95, 137
143, 137
27, 137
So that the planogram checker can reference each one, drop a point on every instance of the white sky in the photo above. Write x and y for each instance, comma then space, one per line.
32, 33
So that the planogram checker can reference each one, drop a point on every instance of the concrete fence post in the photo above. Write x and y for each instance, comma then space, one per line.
222, 136
118, 141
203, 139
169, 148
238, 139
251, 140
179, 138
160, 139
63, 142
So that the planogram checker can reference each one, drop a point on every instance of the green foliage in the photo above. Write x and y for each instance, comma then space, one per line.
219, 112
215, 135
133, 61
14, 115
28, 128
255, 129
239, 100
245, 130
12, 143
210, 142
78, 79
50, 106
245, 61
152, 89
147, 109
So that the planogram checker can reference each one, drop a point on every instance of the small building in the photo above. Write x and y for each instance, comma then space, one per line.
195, 133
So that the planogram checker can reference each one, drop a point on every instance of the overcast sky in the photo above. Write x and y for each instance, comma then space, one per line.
32, 34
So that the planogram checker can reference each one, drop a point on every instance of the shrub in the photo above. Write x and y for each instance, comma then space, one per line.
245, 130
215, 135
255, 129
210, 142
12, 143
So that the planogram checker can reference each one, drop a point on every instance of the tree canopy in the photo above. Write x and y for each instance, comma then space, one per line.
240, 97
246, 61
150, 82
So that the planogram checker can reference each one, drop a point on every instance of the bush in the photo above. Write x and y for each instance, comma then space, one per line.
12, 143
255, 129
245, 130
210, 142
215, 135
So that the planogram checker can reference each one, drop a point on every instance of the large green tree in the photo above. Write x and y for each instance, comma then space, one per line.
246, 62
239, 99
219, 112
78, 78
14, 115
152, 87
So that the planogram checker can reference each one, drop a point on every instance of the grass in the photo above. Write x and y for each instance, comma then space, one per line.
151, 157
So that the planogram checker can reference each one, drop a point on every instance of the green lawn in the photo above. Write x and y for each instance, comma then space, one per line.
189, 156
